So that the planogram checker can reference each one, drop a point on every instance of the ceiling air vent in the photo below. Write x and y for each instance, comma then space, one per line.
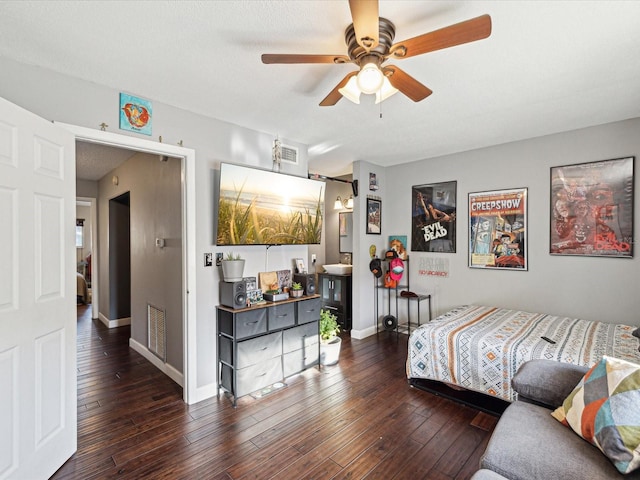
289, 154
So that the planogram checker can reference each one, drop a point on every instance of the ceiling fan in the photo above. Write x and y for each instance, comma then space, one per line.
370, 44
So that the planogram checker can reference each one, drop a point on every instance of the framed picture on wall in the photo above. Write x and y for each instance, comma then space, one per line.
498, 229
374, 216
433, 217
592, 209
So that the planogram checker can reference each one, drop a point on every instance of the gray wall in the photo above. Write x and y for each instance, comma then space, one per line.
594, 288
332, 246
156, 273
61, 98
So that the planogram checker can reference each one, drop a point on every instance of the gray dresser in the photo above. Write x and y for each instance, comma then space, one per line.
262, 345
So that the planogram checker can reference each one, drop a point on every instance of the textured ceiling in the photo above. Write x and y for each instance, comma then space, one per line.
549, 66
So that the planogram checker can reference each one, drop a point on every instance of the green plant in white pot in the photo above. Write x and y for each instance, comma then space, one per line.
296, 290
330, 342
232, 267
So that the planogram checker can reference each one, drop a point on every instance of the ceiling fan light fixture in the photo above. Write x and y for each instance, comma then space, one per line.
385, 91
351, 91
370, 78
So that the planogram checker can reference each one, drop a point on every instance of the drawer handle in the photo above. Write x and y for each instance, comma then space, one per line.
262, 374
283, 315
251, 323
264, 348
311, 311
330, 307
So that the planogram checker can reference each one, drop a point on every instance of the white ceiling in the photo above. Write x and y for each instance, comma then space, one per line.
548, 66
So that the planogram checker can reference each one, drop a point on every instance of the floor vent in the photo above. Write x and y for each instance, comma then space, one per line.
289, 154
157, 327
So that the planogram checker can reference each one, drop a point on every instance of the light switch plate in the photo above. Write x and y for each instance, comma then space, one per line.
208, 259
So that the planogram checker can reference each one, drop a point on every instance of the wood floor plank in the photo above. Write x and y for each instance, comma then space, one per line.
356, 419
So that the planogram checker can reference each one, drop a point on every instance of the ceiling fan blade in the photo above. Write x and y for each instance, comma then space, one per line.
365, 22
295, 58
335, 95
406, 83
457, 34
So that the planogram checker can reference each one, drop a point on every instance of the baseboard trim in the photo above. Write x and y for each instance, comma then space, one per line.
360, 334
118, 322
165, 368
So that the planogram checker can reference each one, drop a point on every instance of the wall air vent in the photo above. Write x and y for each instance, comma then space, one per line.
157, 328
289, 154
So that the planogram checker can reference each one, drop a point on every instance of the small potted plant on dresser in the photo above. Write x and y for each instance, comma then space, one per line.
232, 267
329, 340
296, 290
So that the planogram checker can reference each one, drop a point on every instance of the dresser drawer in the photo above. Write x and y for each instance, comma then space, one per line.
294, 362
309, 310
281, 316
252, 378
259, 349
300, 337
251, 323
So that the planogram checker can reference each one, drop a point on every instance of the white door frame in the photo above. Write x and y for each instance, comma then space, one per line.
188, 180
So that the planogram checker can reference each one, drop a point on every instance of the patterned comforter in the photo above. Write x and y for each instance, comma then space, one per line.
481, 348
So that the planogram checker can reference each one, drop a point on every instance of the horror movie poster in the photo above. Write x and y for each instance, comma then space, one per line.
497, 229
592, 209
433, 217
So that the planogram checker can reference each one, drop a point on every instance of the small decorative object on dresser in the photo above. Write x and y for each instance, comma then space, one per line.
296, 290
232, 267
329, 340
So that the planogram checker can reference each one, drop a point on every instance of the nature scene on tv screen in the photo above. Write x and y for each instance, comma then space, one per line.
258, 207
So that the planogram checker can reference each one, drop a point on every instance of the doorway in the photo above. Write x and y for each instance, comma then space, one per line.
187, 379
120, 257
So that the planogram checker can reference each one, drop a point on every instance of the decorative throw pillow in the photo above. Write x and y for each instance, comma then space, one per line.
636, 332
603, 409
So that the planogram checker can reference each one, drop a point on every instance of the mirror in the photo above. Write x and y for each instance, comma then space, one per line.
345, 230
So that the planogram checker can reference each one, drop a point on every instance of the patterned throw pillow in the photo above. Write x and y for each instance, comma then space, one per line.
603, 409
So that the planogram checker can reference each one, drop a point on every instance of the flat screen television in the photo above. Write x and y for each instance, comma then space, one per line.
260, 207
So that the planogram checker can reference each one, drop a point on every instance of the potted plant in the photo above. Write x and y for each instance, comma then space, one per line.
297, 290
329, 340
232, 267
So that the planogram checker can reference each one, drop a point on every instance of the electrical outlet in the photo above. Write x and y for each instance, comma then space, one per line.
218, 259
313, 258
208, 259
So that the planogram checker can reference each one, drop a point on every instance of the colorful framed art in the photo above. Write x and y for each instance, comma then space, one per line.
135, 114
498, 229
592, 209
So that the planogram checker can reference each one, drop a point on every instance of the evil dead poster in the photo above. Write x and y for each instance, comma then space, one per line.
433, 217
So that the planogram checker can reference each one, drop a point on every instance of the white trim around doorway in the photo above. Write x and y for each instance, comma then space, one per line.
188, 156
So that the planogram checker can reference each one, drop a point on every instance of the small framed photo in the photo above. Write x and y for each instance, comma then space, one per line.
374, 216
300, 266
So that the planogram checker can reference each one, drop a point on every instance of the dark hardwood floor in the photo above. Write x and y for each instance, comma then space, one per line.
357, 419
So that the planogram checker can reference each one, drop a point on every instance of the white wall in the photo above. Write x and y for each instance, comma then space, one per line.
594, 288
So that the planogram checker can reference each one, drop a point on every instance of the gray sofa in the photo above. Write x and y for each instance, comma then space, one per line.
528, 443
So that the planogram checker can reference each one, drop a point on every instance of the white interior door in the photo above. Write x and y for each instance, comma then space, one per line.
38, 418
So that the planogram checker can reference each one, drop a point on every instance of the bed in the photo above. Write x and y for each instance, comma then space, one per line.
480, 348
82, 289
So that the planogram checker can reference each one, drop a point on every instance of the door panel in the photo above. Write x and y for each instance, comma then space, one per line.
38, 417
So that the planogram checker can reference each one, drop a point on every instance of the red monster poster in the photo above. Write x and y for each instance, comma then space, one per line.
592, 209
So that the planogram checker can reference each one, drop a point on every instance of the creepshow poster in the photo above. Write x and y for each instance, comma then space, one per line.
592, 209
433, 217
498, 229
